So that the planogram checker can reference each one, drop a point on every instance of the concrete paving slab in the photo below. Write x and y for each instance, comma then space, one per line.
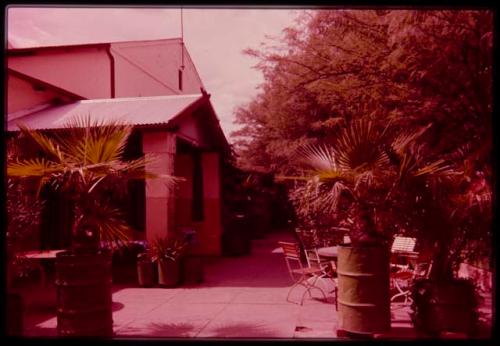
317, 313
253, 320
172, 320
316, 330
262, 295
207, 295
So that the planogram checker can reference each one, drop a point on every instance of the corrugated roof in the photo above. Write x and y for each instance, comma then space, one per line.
153, 110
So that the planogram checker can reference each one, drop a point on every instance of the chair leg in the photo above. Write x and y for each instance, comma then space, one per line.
336, 298
308, 286
290, 291
402, 293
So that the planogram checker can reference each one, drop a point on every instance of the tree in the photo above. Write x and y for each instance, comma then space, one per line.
411, 67
85, 159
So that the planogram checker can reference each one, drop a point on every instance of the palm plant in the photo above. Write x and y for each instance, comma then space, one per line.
368, 178
85, 160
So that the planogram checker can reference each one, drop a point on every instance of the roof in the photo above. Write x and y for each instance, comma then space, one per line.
155, 110
45, 46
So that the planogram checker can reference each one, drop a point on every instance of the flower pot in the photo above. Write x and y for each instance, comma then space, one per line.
15, 312
84, 304
124, 264
445, 307
236, 240
363, 289
146, 272
192, 269
168, 273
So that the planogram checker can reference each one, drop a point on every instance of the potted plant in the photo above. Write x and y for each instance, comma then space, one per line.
167, 253
192, 267
85, 160
146, 269
365, 181
457, 229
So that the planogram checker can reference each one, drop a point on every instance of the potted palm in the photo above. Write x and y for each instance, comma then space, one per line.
146, 269
458, 229
167, 252
364, 180
85, 160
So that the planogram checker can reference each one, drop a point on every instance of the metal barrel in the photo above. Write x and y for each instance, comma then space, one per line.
363, 289
84, 303
451, 308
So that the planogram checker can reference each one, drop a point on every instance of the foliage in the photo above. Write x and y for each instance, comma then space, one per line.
430, 299
23, 219
365, 177
85, 160
413, 69
172, 248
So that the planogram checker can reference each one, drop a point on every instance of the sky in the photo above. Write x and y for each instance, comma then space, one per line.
214, 37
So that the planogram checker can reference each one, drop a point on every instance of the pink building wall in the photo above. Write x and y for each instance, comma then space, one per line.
151, 69
82, 71
143, 68
209, 229
23, 95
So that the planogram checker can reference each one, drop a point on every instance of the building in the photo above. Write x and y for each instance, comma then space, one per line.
153, 85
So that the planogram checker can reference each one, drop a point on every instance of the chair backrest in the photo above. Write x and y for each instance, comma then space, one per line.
308, 238
291, 251
403, 244
422, 270
313, 259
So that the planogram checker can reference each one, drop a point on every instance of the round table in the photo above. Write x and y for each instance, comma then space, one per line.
328, 252
38, 255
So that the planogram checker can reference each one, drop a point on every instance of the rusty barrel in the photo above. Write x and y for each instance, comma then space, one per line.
363, 289
84, 304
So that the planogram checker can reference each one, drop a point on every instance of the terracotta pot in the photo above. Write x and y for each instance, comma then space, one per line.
168, 273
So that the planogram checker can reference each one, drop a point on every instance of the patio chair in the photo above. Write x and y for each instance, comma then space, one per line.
327, 267
402, 249
403, 279
402, 273
302, 276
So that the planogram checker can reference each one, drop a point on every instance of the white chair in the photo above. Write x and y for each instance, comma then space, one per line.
403, 279
302, 276
402, 249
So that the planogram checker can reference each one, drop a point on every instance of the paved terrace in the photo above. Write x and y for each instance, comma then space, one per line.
241, 297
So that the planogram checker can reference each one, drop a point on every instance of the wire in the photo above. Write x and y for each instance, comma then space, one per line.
182, 40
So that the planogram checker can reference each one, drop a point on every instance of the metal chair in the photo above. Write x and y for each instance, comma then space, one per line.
310, 243
402, 249
328, 269
302, 276
403, 279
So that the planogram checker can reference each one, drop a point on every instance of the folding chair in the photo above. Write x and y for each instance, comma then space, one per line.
402, 249
328, 269
310, 243
301, 275
402, 274
403, 279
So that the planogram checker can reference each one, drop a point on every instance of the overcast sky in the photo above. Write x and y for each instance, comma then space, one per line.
214, 38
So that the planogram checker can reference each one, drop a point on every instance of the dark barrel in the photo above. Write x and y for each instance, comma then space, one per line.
446, 306
15, 312
363, 289
84, 304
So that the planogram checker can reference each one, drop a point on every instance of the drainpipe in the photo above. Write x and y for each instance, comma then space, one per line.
112, 68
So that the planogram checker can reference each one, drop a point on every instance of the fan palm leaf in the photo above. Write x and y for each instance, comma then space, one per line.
84, 156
